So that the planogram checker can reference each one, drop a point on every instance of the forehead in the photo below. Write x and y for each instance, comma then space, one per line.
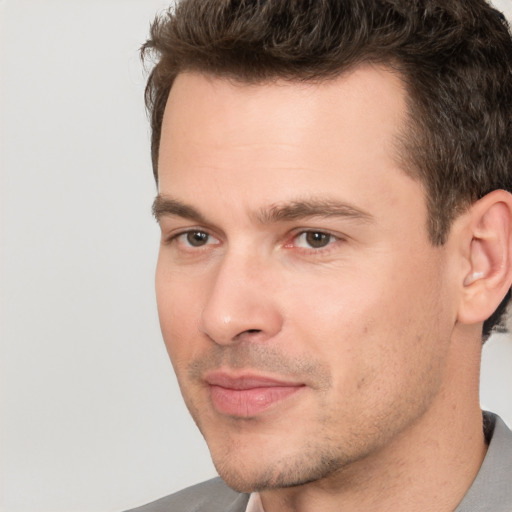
258, 141
369, 100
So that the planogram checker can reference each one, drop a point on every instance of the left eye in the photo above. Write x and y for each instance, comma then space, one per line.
314, 239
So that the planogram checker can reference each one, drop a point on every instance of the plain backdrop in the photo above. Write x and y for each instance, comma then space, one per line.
91, 417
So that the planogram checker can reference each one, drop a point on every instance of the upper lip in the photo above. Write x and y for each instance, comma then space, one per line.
246, 381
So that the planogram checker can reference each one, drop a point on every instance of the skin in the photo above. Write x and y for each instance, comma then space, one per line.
361, 317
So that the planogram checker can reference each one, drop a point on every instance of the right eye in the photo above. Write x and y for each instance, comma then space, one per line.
195, 238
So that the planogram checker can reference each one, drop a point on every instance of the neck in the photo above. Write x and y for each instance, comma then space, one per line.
428, 467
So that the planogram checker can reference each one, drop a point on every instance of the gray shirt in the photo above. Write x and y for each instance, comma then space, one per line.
491, 490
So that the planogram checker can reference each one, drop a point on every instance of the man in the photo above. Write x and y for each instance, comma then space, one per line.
333, 195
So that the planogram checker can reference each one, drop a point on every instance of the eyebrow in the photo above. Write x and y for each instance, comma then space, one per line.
286, 212
301, 209
163, 205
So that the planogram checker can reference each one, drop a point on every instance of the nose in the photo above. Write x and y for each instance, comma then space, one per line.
241, 304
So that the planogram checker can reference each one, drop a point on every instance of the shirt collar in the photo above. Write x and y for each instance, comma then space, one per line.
254, 504
492, 487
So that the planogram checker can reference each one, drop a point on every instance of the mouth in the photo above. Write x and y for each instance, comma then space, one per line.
247, 395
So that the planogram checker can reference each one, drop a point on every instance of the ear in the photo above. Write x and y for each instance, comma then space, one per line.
489, 254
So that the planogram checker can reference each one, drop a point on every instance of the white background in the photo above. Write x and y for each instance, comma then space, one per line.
91, 418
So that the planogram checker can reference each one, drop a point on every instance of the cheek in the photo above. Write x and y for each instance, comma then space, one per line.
179, 307
336, 324
367, 328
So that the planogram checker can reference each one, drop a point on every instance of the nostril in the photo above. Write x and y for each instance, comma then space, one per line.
248, 334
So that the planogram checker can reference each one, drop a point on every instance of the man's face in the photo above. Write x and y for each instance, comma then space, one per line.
304, 309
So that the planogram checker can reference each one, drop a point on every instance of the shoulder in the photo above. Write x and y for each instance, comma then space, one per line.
211, 496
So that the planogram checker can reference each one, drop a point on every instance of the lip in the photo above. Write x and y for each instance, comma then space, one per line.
247, 395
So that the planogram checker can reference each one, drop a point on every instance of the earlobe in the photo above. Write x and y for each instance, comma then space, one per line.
489, 255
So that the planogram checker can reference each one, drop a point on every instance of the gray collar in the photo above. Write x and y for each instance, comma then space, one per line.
492, 487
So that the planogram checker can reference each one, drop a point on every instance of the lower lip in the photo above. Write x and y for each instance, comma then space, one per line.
246, 403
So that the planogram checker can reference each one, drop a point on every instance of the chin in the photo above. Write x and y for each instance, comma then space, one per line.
244, 476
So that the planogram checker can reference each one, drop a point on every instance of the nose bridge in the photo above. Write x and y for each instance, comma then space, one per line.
240, 304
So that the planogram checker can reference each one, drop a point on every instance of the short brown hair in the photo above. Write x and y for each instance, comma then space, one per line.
454, 56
